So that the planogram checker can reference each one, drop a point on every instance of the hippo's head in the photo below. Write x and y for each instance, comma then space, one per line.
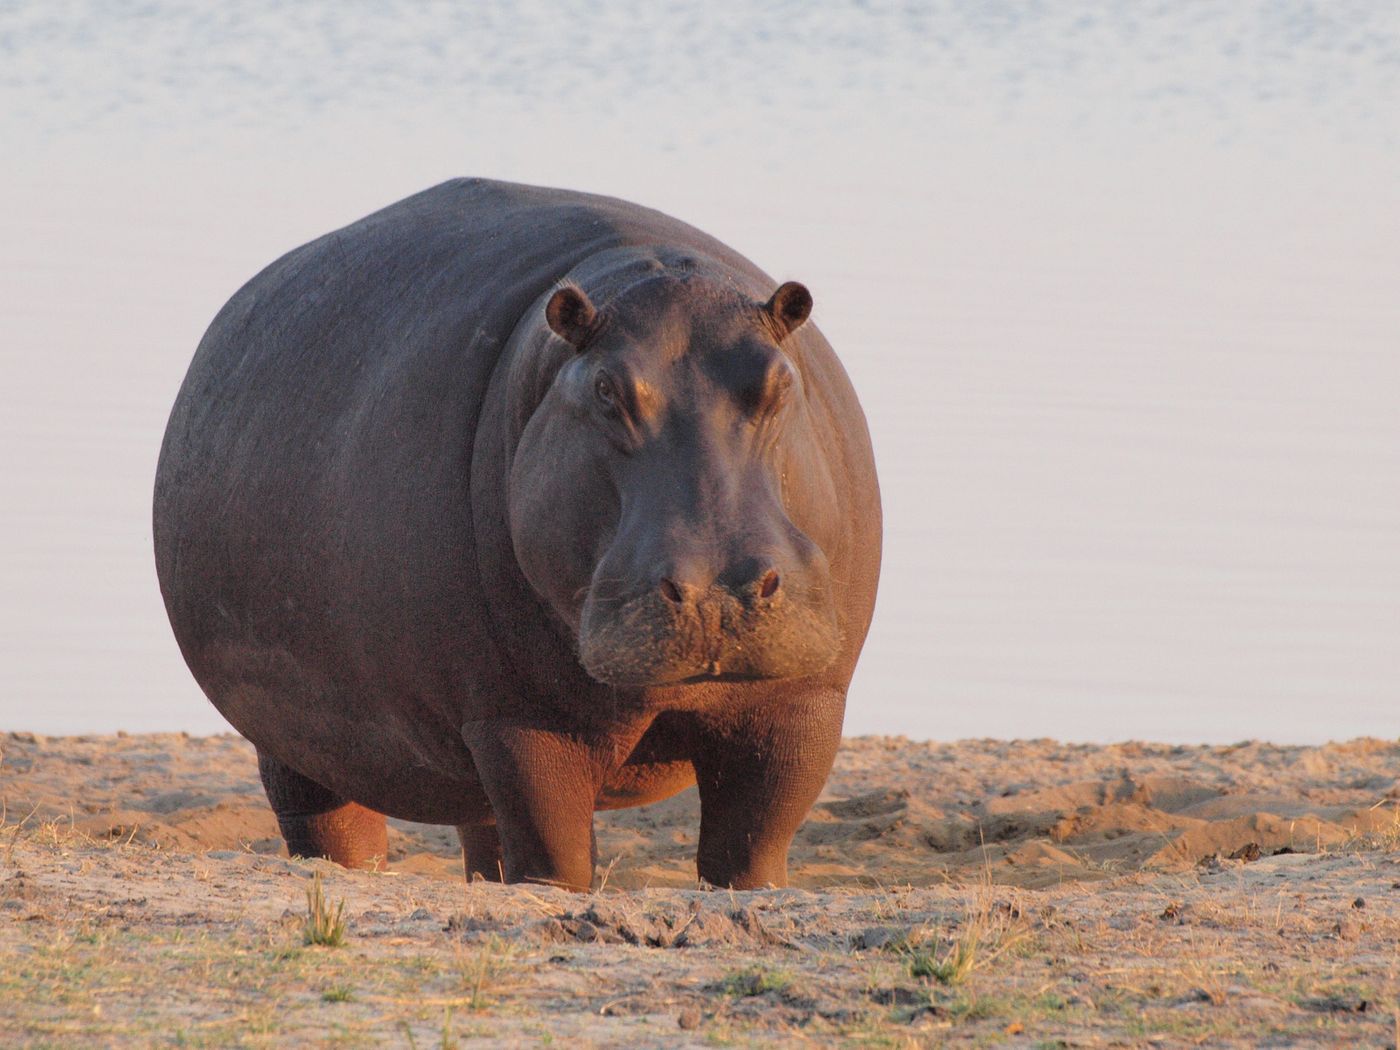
653, 491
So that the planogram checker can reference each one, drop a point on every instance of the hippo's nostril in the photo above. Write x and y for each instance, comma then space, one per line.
768, 586
670, 591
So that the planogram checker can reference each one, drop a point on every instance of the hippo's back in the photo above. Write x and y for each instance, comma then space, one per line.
313, 527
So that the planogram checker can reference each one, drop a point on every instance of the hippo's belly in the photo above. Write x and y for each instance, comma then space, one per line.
404, 763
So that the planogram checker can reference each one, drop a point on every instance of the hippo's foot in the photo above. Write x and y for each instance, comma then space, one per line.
481, 852
318, 823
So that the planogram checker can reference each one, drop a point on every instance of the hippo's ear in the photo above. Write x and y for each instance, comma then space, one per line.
571, 316
789, 308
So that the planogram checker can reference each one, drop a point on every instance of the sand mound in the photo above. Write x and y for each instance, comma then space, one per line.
895, 812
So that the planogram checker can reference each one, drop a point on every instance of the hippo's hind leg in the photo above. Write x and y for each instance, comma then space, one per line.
318, 823
481, 852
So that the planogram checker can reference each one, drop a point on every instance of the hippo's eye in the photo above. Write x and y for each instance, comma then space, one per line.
606, 391
765, 393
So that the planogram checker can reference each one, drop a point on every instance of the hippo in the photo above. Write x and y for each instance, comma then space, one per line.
504, 505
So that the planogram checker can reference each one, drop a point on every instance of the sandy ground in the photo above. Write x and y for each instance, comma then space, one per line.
985, 892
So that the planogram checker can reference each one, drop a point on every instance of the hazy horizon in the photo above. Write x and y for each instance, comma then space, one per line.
1117, 288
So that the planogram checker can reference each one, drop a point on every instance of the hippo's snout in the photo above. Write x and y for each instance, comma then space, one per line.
743, 624
752, 580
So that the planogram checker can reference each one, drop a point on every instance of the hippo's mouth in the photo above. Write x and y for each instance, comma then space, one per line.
722, 676
650, 642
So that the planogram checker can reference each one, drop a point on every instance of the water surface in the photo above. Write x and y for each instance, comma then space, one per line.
1116, 283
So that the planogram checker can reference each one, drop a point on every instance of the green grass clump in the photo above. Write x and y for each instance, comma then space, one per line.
754, 980
950, 967
322, 926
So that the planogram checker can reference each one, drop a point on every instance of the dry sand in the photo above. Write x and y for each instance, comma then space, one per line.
1027, 893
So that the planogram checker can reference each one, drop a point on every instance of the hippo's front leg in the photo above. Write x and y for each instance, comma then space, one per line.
759, 773
542, 785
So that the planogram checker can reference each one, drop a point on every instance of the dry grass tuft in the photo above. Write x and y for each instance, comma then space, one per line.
988, 931
483, 971
322, 927
1209, 981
